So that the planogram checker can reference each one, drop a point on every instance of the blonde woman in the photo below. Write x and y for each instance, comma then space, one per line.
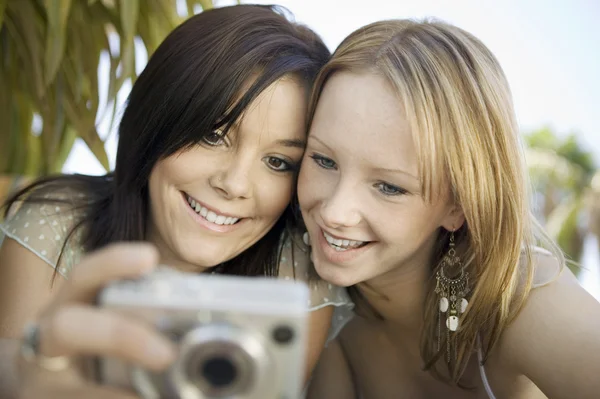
414, 193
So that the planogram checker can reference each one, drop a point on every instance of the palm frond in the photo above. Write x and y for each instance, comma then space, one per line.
50, 51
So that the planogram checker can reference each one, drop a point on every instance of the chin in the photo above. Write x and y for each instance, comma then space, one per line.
202, 258
335, 275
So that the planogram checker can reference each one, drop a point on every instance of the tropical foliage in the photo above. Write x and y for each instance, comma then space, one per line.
50, 51
567, 184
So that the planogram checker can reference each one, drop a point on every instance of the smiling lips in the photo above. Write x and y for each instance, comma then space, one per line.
341, 244
338, 250
209, 215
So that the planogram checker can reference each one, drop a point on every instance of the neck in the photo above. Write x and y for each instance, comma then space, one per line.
399, 295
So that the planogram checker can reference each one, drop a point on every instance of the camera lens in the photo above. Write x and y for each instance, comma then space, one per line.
220, 361
283, 334
219, 371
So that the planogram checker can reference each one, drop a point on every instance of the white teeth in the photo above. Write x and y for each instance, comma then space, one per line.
341, 245
210, 215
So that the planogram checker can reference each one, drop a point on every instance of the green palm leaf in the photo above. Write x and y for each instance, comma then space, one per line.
50, 51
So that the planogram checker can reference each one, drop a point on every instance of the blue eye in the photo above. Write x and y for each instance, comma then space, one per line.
389, 189
214, 139
278, 164
324, 162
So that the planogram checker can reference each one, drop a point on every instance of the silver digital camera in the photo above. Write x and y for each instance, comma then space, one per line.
238, 337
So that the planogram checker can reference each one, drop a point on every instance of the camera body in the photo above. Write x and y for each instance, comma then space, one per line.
238, 337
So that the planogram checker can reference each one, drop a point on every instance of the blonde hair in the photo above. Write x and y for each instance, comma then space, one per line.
458, 103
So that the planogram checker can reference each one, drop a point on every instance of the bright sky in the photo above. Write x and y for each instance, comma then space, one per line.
550, 52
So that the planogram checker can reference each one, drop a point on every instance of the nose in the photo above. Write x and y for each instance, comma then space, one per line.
341, 208
233, 179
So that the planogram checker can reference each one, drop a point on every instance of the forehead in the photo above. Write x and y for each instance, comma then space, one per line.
278, 112
361, 114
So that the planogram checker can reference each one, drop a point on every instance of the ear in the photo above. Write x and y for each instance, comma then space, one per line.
454, 219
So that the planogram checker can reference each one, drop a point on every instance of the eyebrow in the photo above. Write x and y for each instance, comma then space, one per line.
397, 171
377, 169
320, 141
292, 143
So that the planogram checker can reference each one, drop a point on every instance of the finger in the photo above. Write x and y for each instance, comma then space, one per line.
51, 390
82, 330
116, 261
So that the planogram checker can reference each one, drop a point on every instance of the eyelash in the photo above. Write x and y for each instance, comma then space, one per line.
382, 187
212, 144
397, 190
319, 159
289, 166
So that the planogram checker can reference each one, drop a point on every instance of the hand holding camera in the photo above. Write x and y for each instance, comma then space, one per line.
156, 334
237, 337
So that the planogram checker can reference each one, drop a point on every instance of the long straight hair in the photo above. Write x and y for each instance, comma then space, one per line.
193, 84
459, 107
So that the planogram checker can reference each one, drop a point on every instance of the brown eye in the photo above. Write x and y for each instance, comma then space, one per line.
277, 164
213, 139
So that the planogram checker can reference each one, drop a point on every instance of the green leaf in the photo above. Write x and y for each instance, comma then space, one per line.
563, 226
190, 7
49, 55
21, 117
129, 18
26, 29
58, 120
206, 4
3, 4
57, 14
83, 121
108, 3
96, 145
34, 165
66, 145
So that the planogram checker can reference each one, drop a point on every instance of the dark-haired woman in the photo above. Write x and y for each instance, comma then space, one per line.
209, 146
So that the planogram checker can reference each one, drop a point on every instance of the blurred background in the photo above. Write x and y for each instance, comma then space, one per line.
66, 69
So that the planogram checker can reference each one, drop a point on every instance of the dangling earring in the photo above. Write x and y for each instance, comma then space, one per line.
452, 292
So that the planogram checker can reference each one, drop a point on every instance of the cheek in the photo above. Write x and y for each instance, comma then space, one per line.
274, 195
155, 183
191, 166
308, 185
413, 224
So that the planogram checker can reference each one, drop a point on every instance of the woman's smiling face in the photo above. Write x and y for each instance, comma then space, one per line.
359, 188
211, 202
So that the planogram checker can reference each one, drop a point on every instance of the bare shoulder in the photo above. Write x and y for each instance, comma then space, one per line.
557, 333
332, 377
